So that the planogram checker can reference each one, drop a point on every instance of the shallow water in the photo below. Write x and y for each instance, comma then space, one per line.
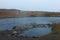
8, 23
36, 32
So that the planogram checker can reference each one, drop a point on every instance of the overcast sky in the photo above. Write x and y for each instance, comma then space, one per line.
33, 5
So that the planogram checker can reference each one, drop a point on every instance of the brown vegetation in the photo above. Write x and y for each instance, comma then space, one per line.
8, 13
11, 13
56, 27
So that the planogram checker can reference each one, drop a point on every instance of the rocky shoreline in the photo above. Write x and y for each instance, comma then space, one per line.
55, 35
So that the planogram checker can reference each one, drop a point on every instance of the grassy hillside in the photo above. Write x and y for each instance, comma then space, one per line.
8, 13
12, 13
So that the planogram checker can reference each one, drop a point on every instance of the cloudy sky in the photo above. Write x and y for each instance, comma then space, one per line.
34, 5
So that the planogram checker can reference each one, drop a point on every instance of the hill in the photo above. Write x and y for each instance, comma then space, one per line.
14, 13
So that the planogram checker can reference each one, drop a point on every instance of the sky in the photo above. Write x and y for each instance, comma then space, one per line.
31, 5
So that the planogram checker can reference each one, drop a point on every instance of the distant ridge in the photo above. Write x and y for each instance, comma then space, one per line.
14, 13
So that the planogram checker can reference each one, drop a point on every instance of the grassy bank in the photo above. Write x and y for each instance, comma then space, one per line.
56, 27
55, 34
